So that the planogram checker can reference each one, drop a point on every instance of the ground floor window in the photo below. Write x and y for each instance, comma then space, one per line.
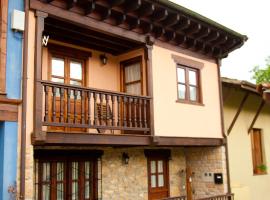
68, 177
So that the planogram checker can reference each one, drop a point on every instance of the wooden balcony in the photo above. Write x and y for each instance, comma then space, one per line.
81, 108
217, 197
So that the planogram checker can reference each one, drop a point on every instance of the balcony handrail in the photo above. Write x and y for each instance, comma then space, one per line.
68, 86
228, 196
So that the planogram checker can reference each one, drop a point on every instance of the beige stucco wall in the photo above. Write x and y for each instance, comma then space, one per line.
244, 184
179, 119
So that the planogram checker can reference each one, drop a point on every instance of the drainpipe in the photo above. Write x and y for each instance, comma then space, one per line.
24, 102
223, 128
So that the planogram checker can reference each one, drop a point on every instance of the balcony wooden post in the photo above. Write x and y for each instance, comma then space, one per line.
38, 91
148, 59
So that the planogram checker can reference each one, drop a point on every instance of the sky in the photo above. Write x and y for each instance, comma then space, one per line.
248, 17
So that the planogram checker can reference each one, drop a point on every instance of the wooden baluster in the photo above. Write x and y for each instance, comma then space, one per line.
75, 105
101, 109
124, 112
95, 108
140, 112
54, 103
135, 111
113, 110
145, 112
107, 109
62, 91
129, 111
46, 90
82, 106
118, 111
89, 108
68, 105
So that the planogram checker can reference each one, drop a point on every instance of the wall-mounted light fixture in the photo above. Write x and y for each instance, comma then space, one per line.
125, 158
103, 58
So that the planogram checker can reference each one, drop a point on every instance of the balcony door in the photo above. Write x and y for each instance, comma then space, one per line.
67, 70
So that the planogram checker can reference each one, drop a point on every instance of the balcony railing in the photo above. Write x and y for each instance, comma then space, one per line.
218, 197
83, 107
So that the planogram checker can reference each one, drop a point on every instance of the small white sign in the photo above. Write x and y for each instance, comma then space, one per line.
17, 20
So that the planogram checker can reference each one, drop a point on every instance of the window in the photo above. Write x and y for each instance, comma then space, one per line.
259, 166
188, 84
3, 30
67, 177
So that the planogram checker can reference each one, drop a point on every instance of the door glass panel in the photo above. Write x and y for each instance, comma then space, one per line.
181, 75
160, 180
76, 70
153, 166
192, 78
133, 73
134, 89
46, 181
153, 181
181, 91
75, 168
73, 82
160, 166
60, 179
87, 180
58, 68
193, 93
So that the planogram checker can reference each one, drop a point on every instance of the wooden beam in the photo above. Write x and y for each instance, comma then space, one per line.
171, 20
180, 39
159, 32
114, 3
146, 10
120, 19
70, 4
202, 33
170, 36
256, 116
238, 112
212, 36
183, 24
89, 6
106, 13
132, 5
160, 15
134, 23
217, 52
148, 28
221, 40
193, 29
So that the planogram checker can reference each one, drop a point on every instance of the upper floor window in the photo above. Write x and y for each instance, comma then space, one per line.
188, 80
259, 166
188, 84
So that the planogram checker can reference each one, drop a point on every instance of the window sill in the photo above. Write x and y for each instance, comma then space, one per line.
260, 174
189, 102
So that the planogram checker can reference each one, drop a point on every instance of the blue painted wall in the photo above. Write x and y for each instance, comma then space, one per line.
9, 130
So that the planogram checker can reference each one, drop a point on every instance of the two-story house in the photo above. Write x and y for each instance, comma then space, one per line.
11, 42
247, 115
124, 101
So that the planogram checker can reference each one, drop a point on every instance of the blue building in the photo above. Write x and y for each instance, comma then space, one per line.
11, 41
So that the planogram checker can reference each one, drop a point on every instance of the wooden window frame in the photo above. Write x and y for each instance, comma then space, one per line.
255, 153
189, 65
3, 45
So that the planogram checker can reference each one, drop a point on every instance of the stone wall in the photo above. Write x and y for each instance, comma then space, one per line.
207, 160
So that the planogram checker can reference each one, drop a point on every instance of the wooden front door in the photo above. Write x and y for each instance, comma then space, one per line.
158, 181
67, 70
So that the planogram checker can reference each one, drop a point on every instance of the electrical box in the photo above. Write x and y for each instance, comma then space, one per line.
218, 177
17, 20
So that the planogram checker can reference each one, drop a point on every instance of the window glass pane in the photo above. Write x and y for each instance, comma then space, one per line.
134, 89
76, 70
60, 178
75, 170
58, 68
133, 73
181, 75
193, 93
153, 181
160, 166
192, 77
57, 80
160, 180
46, 192
46, 181
72, 82
153, 166
87, 182
181, 91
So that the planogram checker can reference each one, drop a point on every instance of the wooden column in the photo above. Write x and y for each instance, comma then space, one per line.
148, 60
38, 91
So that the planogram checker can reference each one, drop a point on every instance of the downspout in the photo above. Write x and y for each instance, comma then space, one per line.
223, 128
24, 102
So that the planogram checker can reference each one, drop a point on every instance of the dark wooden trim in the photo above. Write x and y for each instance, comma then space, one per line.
63, 139
10, 101
187, 62
8, 112
165, 153
38, 100
3, 43
256, 115
238, 112
68, 51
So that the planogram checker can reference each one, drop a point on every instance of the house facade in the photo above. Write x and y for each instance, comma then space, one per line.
124, 101
11, 41
246, 120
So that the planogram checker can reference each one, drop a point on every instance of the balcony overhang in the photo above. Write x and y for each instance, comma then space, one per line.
138, 19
